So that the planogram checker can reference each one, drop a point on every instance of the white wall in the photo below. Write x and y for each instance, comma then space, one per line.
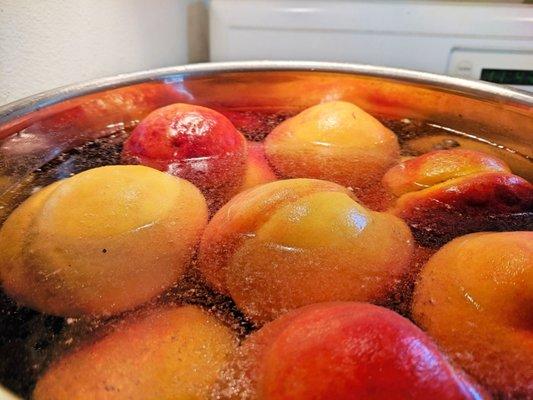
49, 43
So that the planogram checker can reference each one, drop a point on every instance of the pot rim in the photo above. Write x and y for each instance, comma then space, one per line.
471, 88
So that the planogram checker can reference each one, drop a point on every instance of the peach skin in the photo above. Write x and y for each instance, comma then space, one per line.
343, 351
474, 297
258, 170
335, 141
194, 143
171, 353
294, 242
448, 193
439, 166
101, 242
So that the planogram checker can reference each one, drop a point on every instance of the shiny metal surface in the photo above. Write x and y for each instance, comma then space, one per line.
14, 115
27, 105
37, 128
34, 130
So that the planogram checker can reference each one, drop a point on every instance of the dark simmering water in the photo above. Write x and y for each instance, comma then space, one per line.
29, 340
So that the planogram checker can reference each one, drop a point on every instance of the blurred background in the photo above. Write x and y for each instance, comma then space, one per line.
48, 43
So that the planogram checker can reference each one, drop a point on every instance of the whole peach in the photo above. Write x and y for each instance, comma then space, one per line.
101, 242
336, 141
474, 297
342, 351
448, 193
169, 353
473, 203
294, 242
194, 143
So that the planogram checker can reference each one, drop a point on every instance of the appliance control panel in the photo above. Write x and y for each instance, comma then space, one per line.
507, 67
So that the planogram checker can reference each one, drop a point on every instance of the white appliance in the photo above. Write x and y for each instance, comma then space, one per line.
492, 41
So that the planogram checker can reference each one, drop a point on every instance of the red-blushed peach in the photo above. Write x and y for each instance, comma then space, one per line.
336, 141
342, 351
194, 143
257, 169
101, 242
294, 242
439, 166
447, 193
170, 353
473, 203
474, 297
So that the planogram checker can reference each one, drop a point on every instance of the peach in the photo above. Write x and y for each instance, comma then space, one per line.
479, 202
336, 141
101, 242
257, 169
342, 351
194, 143
448, 193
474, 297
294, 242
169, 353
516, 160
439, 166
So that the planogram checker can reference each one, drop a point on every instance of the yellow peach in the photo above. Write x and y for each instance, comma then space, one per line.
101, 242
171, 353
15, 277
336, 141
474, 298
294, 242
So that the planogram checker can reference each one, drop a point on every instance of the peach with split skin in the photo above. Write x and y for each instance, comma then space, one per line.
294, 242
474, 203
258, 170
335, 141
174, 352
194, 143
101, 242
448, 193
342, 350
438, 166
474, 297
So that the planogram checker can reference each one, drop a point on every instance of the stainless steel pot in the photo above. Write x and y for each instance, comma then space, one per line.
34, 130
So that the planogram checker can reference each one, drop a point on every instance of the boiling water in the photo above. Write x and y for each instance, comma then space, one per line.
29, 340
